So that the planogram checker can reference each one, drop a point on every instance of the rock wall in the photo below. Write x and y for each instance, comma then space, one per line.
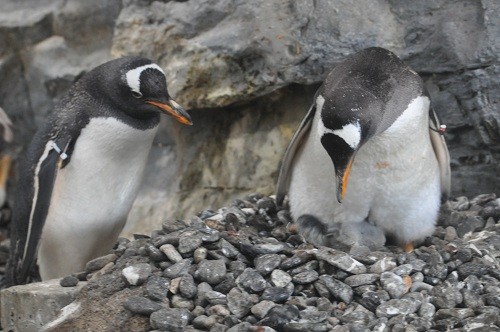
247, 70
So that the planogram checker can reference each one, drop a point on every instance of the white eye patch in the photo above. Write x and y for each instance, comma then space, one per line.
350, 133
134, 76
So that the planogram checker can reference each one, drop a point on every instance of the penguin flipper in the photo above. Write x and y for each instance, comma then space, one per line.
291, 150
28, 225
442, 154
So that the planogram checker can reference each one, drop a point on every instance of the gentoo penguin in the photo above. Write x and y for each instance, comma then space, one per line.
84, 167
368, 159
6, 137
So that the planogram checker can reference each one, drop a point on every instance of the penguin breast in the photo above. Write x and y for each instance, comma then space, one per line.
99, 184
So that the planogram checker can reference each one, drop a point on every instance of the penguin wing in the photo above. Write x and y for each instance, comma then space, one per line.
32, 206
291, 150
442, 154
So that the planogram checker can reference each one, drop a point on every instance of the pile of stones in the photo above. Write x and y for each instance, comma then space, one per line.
241, 269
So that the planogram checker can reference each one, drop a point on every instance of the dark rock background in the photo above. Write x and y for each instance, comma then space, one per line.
247, 70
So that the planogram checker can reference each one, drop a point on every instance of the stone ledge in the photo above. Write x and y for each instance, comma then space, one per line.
29, 307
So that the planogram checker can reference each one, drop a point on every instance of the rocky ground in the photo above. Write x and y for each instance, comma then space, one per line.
241, 269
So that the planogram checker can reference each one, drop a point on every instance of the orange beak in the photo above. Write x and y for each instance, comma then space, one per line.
342, 180
174, 110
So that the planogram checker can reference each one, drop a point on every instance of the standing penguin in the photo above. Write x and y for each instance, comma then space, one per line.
84, 167
368, 159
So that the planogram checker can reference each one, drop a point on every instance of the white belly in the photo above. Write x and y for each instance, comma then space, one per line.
93, 195
394, 180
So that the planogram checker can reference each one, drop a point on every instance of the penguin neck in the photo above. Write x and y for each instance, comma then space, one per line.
408, 130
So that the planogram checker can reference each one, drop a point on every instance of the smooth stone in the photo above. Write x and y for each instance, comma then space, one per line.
393, 284
178, 269
171, 253
337, 288
306, 277
157, 288
261, 309
211, 271
141, 305
251, 280
361, 279
187, 286
265, 264
170, 319
99, 262
239, 303
275, 294
339, 259
69, 281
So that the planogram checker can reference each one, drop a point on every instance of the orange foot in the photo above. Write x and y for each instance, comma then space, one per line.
408, 247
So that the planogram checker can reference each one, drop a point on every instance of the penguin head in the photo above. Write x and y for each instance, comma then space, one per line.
343, 129
360, 98
138, 87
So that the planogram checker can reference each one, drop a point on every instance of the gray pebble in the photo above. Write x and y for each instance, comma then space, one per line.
472, 299
337, 288
261, 309
237, 267
171, 319
446, 296
311, 265
181, 302
420, 286
403, 270
187, 287
157, 288
470, 268
299, 258
214, 297
383, 265
141, 305
153, 253
218, 310
189, 242
306, 277
280, 278
225, 285
395, 307
209, 235
393, 284
265, 264
171, 253
460, 313
417, 277
99, 262
211, 271
361, 279
268, 248
275, 294
228, 249
69, 281
251, 281
200, 254
281, 315
204, 322
339, 259
178, 269
427, 310
239, 303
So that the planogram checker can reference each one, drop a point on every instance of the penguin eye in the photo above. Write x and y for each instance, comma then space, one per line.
136, 94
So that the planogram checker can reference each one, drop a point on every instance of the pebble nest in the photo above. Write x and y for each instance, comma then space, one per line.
241, 268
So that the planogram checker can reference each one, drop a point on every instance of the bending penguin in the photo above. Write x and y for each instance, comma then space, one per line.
84, 167
368, 162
